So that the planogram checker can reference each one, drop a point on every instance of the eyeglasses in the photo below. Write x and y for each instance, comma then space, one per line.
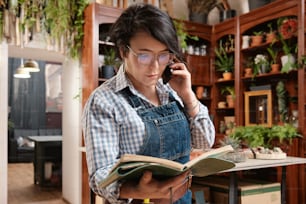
147, 58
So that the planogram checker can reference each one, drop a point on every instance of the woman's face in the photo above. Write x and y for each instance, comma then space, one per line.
146, 60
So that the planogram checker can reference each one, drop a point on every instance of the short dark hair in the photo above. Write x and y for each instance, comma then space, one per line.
150, 19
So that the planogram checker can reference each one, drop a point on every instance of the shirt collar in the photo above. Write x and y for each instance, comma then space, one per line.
122, 81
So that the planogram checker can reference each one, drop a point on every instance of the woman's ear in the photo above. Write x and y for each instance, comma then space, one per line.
123, 52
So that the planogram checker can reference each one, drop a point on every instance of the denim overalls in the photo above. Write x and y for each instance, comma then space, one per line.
167, 133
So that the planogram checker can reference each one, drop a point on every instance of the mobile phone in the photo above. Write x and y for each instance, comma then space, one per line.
166, 76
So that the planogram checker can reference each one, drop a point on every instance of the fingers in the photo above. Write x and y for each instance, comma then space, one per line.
176, 180
179, 191
180, 72
170, 189
146, 178
178, 66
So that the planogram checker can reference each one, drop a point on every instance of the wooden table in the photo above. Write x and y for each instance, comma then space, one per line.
47, 149
259, 164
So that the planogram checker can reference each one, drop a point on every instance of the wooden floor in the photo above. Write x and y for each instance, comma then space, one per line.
21, 188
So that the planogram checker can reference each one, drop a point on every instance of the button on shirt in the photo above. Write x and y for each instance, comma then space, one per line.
112, 127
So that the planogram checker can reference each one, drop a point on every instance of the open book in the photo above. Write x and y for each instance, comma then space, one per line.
131, 166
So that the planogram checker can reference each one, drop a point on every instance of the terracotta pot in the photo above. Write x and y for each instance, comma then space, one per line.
270, 37
199, 92
275, 68
248, 72
227, 75
256, 40
230, 101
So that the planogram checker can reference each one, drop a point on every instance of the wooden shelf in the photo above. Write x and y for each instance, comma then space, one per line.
106, 43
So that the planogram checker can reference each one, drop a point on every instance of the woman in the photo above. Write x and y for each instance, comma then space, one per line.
135, 112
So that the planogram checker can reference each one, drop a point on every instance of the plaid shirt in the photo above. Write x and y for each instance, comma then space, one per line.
112, 128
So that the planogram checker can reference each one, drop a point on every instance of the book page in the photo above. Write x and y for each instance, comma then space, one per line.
214, 153
142, 158
127, 158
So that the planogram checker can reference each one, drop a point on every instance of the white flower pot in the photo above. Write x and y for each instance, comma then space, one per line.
287, 62
245, 41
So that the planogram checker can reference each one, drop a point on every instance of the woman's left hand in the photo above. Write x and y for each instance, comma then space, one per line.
181, 80
181, 83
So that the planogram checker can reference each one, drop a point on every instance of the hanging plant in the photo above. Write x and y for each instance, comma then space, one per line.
182, 34
77, 31
59, 21
64, 21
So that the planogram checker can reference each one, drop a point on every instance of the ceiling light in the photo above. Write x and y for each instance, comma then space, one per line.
22, 73
31, 66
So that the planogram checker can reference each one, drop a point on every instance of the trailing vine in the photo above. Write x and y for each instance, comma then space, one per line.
61, 22
78, 7
182, 34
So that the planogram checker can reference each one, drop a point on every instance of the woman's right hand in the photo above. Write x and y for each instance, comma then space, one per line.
157, 191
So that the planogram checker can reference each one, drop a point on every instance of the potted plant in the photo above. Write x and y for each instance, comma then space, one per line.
283, 133
224, 62
273, 52
199, 10
256, 136
261, 64
62, 23
229, 91
238, 154
182, 34
288, 60
257, 38
288, 29
110, 64
271, 35
248, 67
251, 136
